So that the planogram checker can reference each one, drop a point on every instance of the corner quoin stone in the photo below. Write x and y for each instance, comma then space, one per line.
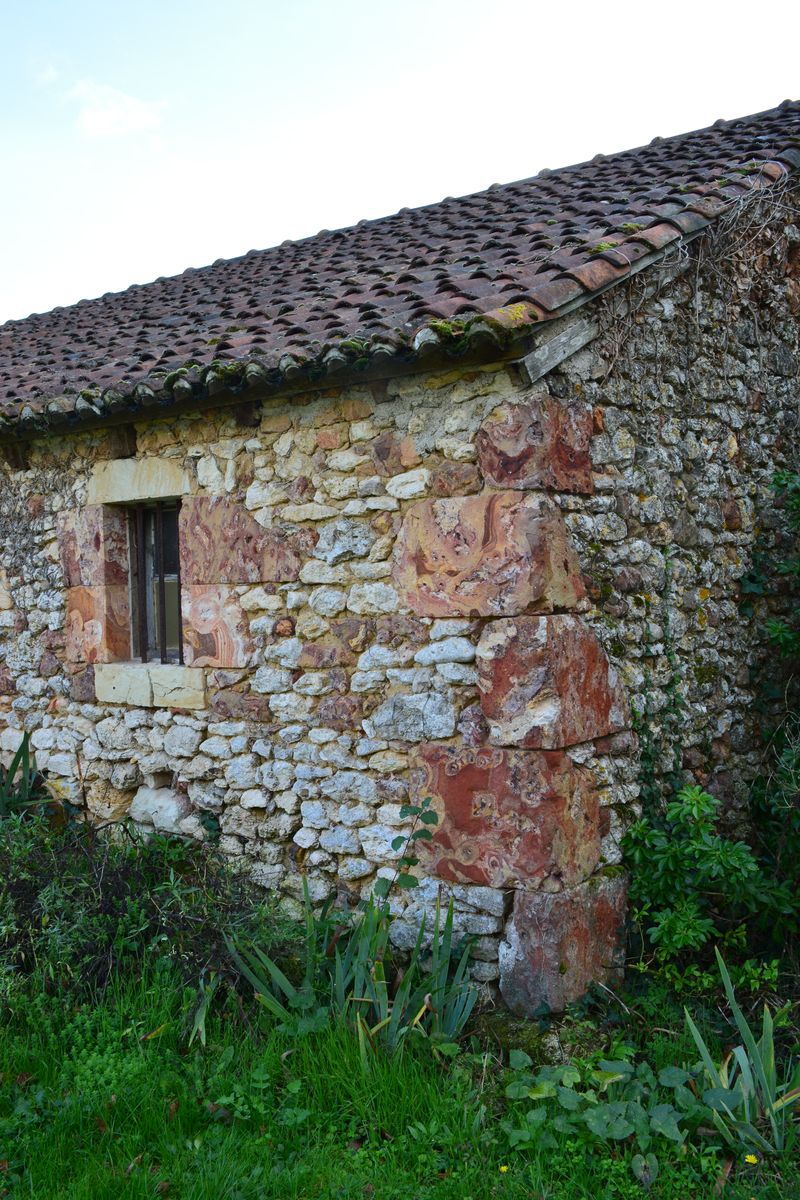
539, 444
508, 818
546, 683
557, 944
491, 555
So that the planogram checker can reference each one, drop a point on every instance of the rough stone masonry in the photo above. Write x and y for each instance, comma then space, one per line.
460, 583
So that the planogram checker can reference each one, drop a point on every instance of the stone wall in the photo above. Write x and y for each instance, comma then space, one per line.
453, 585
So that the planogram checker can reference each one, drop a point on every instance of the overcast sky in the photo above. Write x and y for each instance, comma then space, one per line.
138, 139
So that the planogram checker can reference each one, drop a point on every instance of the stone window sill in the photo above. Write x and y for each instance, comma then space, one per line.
150, 685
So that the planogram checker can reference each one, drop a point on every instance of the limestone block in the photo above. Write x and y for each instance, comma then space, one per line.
540, 444
376, 842
271, 679
447, 650
150, 685
242, 772
11, 740
426, 716
97, 624
354, 868
340, 841
410, 484
220, 542
545, 683
327, 601
181, 742
507, 818
344, 539
6, 599
308, 512
556, 944
177, 687
350, 786
160, 807
216, 632
106, 802
124, 480
367, 598
489, 555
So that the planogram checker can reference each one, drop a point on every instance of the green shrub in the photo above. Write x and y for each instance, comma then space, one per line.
691, 884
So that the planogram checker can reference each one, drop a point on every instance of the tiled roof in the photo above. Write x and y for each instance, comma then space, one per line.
386, 291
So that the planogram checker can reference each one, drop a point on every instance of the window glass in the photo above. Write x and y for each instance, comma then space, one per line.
155, 583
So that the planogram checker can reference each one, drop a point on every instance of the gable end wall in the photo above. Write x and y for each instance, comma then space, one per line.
415, 572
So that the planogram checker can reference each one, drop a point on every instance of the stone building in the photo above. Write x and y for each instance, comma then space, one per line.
440, 505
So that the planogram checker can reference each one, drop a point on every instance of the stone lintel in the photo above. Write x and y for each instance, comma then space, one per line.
150, 685
126, 480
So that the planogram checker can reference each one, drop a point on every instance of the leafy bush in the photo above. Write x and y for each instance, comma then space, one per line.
617, 1103
690, 883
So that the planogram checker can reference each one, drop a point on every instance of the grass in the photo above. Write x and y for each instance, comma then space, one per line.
106, 1100
104, 1094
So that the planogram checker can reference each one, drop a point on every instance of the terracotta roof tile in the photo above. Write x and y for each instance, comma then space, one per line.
461, 276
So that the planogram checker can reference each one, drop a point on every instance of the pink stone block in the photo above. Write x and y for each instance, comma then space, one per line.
220, 542
508, 818
546, 682
216, 632
93, 544
489, 555
97, 625
557, 944
540, 444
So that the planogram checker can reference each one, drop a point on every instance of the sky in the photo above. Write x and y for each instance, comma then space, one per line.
139, 139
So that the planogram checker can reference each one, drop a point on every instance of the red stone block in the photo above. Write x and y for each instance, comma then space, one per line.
540, 444
556, 944
81, 686
508, 818
455, 479
232, 704
216, 632
489, 555
93, 545
220, 542
340, 712
546, 682
391, 454
97, 625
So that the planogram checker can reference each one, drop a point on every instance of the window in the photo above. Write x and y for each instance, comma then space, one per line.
156, 625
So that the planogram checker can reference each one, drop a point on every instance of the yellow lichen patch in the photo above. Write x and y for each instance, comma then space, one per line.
511, 316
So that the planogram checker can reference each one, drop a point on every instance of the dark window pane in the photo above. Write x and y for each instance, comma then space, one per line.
159, 536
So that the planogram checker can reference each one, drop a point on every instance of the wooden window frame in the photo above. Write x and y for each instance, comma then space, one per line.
139, 516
